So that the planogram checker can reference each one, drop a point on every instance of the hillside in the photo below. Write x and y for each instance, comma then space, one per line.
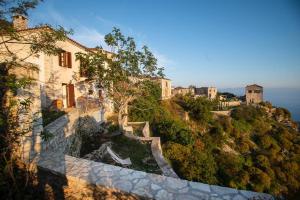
255, 148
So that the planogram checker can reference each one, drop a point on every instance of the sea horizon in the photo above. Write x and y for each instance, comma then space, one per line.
288, 98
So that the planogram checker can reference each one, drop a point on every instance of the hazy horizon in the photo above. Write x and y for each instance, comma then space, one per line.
288, 98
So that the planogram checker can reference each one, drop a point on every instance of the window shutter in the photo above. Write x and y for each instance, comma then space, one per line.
65, 60
60, 59
69, 59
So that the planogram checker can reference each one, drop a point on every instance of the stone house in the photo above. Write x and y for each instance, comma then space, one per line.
209, 92
59, 77
182, 91
254, 94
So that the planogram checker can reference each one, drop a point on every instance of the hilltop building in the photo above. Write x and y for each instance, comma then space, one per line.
183, 91
209, 92
254, 94
166, 87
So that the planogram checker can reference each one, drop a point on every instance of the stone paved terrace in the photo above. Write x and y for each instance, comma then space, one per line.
137, 182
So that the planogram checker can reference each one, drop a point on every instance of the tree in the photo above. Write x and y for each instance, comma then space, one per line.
198, 108
146, 108
16, 74
174, 130
128, 69
229, 166
191, 163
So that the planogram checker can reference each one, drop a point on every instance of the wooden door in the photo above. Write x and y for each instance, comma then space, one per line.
70, 95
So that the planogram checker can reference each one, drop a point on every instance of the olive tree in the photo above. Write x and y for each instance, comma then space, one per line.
125, 73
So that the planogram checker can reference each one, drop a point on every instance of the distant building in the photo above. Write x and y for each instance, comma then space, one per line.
166, 87
183, 91
254, 94
209, 92
222, 98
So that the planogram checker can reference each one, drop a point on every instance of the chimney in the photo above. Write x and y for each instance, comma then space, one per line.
20, 22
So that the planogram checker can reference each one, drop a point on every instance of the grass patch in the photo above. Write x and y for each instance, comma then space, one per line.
138, 129
137, 152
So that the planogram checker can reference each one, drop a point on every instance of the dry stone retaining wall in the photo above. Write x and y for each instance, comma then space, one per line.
155, 148
137, 182
65, 131
123, 180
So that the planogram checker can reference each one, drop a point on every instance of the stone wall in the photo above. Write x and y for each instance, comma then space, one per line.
222, 112
85, 177
230, 103
66, 131
155, 148
137, 183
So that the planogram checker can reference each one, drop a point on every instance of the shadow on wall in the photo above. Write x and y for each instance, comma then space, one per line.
86, 129
50, 90
50, 185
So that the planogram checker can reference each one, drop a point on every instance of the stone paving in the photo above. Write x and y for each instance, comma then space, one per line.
137, 182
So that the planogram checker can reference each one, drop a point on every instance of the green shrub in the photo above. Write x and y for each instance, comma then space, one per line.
248, 113
112, 128
199, 108
190, 163
51, 115
172, 130
229, 166
262, 162
282, 112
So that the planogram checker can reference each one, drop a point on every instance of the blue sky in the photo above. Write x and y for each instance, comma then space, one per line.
222, 43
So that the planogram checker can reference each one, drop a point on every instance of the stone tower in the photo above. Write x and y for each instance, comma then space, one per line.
20, 22
254, 94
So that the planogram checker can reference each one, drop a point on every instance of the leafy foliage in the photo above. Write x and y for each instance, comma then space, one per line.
51, 115
191, 163
198, 108
264, 156
128, 68
146, 107
15, 175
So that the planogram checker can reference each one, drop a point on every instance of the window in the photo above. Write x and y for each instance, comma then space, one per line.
65, 59
249, 91
91, 92
256, 91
